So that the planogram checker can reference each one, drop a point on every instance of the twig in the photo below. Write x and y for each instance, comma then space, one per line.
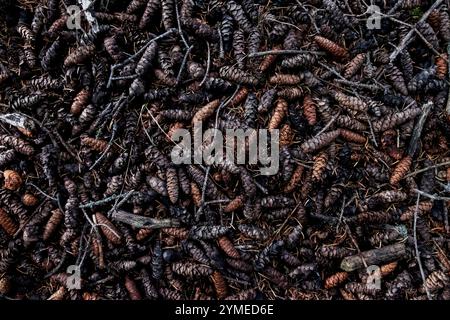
93, 204
38, 189
419, 261
132, 76
427, 168
183, 63
396, 7
431, 196
371, 87
143, 222
221, 50
282, 52
413, 143
374, 139
405, 41
121, 202
208, 63
179, 26
332, 120
113, 134
447, 108
429, 45
286, 23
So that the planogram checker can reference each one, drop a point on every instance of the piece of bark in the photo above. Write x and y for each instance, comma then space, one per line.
143, 222
378, 256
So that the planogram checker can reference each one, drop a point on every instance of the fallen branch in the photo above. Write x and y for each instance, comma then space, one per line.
378, 256
143, 222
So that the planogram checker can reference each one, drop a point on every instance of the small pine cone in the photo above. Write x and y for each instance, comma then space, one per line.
80, 102
353, 136
240, 96
320, 141
13, 180
350, 102
295, 179
55, 219
132, 289
331, 47
394, 119
387, 269
291, 93
5, 285
278, 114
205, 112
434, 19
442, 66
335, 280
108, 229
79, 55
444, 28
320, 163
267, 62
220, 285
143, 234
285, 79
95, 144
286, 135
350, 123
29, 200
227, 246
437, 280
196, 194
234, 204
7, 223
234, 74
400, 170
179, 233
354, 65
300, 60
172, 184
397, 79
309, 110
424, 207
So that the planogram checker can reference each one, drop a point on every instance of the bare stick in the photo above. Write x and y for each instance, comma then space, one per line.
374, 257
374, 139
427, 168
431, 196
447, 108
413, 143
179, 26
143, 222
113, 134
183, 63
328, 125
405, 41
93, 204
416, 247
282, 52
371, 87
208, 63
